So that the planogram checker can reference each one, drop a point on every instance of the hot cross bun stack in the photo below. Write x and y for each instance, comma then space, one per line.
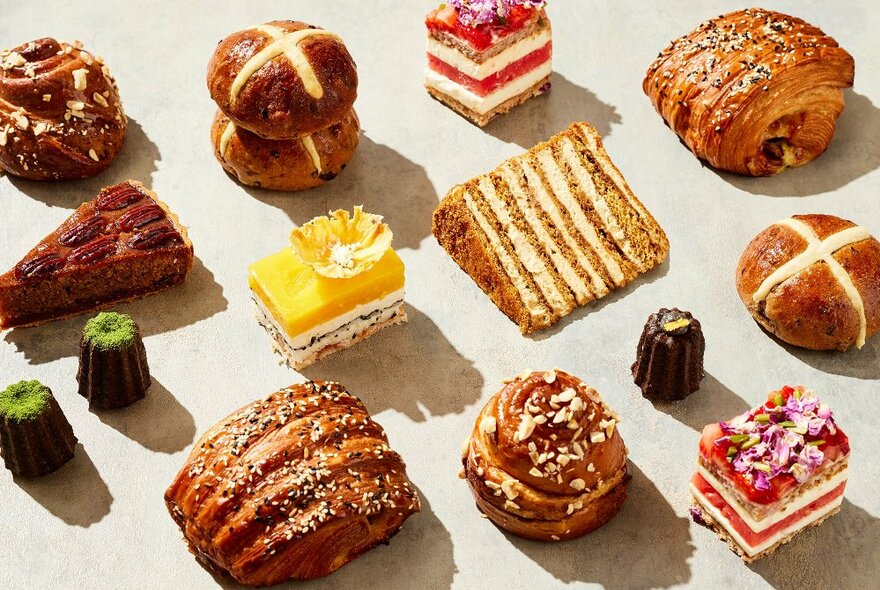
285, 92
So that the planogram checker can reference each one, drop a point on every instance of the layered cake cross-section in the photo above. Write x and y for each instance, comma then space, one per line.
336, 284
770, 473
550, 230
487, 56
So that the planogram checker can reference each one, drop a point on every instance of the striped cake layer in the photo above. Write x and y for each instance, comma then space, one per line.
550, 230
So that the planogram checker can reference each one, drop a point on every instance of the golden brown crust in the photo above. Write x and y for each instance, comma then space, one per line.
285, 165
292, 486
811, 309
545, 460
60, 113
94, 260
274, 102
753, 91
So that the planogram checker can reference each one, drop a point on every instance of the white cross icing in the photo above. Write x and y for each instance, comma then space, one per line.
820, 251
286, 44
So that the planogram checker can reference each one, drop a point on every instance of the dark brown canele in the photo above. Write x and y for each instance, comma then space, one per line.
39, 446
669, 359
113, 378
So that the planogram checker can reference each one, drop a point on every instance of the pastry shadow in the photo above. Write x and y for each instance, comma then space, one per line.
655, 274
645, 546
863, 363
420, 372
137, 161
544, 116
854, 536
158, 422
853, 152
420, 555
714, 401
379, 178
198, 298
75, 493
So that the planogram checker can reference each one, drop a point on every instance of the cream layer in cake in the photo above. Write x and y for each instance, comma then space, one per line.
750, 550
788, 509
481, 71
336, 331
484, 104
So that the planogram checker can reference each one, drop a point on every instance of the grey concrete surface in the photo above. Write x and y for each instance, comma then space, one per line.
100, 522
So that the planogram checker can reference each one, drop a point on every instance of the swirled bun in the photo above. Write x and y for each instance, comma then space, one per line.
545, 460
288, 165
60, 113
283, 79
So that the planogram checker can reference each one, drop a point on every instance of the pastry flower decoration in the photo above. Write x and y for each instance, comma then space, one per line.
339, 245
486, 12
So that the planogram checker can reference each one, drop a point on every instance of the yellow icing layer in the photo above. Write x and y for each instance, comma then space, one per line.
300, 299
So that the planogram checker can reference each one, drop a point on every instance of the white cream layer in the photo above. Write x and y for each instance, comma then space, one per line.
496, 63
484, 104
750, 550
298, 341
801, 501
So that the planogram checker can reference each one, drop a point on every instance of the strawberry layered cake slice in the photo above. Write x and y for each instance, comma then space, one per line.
487, 56
770, 473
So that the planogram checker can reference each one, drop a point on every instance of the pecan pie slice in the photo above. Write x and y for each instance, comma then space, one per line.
122, 245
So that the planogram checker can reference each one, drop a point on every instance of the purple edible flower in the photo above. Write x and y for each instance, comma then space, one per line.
486, 12
697, 515
762, 482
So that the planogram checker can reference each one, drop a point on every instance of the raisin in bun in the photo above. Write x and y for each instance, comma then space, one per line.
289, 165
545, 460
283, 79
60, 114
813, 281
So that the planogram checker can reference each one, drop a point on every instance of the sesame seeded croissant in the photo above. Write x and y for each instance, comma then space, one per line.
545, 460
60, 113
753, 92
293, 486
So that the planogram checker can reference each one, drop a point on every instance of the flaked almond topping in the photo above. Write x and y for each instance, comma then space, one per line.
573, 425
20, 120
39, 128
488, 425
559, 417
526, 427
577, 404
608, 426
47, 97
567, 395
3, 135
507, 488
79, 78
554, 537
550, 376
532, 447
86, 57
542, 458
492, 485
534, 472
509, 504
578, 484
578, 449
563, 460
591, 468
597, 437
541, 419
93, 155
76, 105
14, 59
99, 99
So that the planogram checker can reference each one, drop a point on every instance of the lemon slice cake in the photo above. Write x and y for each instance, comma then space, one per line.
338, 283
550, 230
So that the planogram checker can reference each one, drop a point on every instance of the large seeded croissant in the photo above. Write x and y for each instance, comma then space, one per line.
753, 91
293, 486
60, 114
545, 460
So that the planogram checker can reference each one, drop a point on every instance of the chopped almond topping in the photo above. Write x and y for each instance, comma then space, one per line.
47, 97
94, 155
550, 376
507, 488
578, 484
526, 427
99, 99
597, 437
79, 79
488, 425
